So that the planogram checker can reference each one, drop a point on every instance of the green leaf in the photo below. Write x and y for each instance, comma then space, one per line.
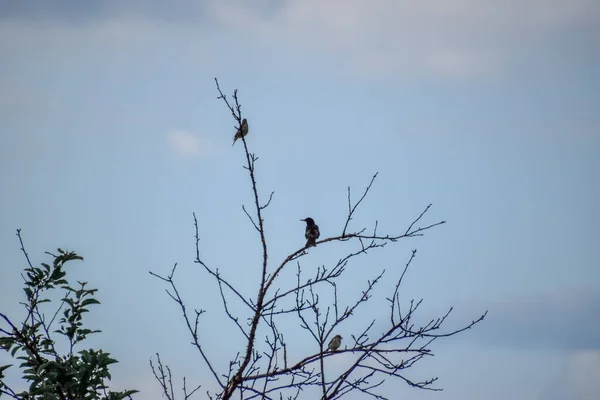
80, 376
87, 302
4, 368
6, 342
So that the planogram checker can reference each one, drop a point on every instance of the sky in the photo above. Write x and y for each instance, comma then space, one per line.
111, 136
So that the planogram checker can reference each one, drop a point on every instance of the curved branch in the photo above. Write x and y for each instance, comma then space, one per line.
194, 331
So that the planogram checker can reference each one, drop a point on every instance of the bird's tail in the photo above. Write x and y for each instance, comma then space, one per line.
311, 242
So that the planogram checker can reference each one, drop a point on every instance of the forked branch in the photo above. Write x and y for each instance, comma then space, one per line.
265, 371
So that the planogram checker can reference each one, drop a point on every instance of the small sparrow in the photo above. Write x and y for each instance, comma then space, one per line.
242, 131
311, 233
335, 343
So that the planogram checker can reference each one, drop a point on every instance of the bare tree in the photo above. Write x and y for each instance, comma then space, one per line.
373, 354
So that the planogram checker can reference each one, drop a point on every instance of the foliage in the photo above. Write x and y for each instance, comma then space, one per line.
55, 375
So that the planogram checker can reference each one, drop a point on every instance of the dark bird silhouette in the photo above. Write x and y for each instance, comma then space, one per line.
335, 343
311, 233
242, 131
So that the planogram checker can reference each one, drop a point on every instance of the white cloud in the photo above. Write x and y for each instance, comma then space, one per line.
579, 380
447, 37
584, 377
190, 145
393, 37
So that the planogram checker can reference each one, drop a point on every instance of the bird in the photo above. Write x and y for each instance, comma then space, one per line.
335, 343
242, 131
311, 233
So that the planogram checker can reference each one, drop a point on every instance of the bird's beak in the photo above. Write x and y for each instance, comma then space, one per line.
304, 220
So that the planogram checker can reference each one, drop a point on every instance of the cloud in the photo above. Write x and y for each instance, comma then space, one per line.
583, 379
579, 378
189, 145
455, 37
394, 37
76, 11
560, 320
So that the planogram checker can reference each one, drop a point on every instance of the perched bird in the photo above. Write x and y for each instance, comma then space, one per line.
312, 232
335, 343
242, 131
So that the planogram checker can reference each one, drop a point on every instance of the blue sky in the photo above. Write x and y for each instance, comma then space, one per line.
112, 136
